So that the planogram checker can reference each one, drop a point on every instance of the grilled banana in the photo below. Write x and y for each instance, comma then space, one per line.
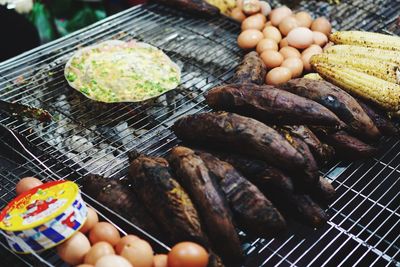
368, 39
365, 52
385, 94
387, 71
225, 6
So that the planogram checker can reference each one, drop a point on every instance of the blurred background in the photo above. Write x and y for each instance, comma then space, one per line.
25, 24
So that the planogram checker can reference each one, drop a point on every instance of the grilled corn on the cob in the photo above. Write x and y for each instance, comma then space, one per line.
383, 93
387, 71
368, 39
313, 76
225, 6
360, 51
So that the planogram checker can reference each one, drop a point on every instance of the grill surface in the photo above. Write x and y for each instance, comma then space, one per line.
364, 228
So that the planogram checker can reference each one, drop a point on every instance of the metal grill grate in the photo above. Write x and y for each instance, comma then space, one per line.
364, 228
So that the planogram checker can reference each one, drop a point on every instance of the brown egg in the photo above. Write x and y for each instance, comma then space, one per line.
84, 265
278, 75
26, 184
139, 253
320, 38
187, 254
266, 44
249, 39
73, 250
237, 14
307, 54
304, 19
278, 14
273, 33
239, 4
283, 43
288, 52
315, 49
323, 25
288, 24
91, 220
271, 58
160, 260
104, 231
251, 7
123, 241
98, 250
254, 22
112, 261
329, 44
265, 8
300, 37
269, 23
295, 65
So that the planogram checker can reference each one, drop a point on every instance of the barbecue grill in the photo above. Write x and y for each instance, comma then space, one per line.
88, 137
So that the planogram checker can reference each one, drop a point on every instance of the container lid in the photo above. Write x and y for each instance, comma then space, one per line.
38, 205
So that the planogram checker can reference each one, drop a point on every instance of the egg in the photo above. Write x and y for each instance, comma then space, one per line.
84, 265
266, 44
329, 44
283, 43
112, 261
295, 65
265, 8
278, 75
123, 241
139, 253
271, 58
251, 7
239, 4
273, 33
187, 254
288, 24
320, 38
73, 250
300, 37
268, 23
288, 52
104, 231
304, 19
237, 14
98, 250
249, 39
315, 49
254, 22
307, 54
26, 184
278, 14
323, 25
91, 220
160, 260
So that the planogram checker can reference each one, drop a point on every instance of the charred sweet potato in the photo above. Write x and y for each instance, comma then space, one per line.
251, 70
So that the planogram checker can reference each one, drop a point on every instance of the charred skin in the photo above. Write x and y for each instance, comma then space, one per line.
117, 196
198, 8
339, 102
251, 70
203, 189
252, 209
323, 191
308, 211
380, 119
311, 168
270, 105
240, 134
322, 152
167, 201
345, 145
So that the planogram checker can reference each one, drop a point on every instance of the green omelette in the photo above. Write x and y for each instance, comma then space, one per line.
117, 71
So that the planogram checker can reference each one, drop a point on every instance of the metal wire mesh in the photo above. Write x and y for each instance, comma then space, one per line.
85, 137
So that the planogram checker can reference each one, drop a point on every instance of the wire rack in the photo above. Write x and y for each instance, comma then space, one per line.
88, 137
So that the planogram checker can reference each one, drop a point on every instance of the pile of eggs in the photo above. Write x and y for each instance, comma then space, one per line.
284, 40
99, 244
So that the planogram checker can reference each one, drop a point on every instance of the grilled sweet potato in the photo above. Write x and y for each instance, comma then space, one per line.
251, 208
270, 105
380, 119
339, 102
165, 199
323, 191
309, 211
203, 189
322, 152
241, 134
198, 8
251, 70
117, 196
345, 145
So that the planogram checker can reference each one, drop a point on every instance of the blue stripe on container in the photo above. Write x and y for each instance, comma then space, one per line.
60, 216
53, 235
17, 247
33, 244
